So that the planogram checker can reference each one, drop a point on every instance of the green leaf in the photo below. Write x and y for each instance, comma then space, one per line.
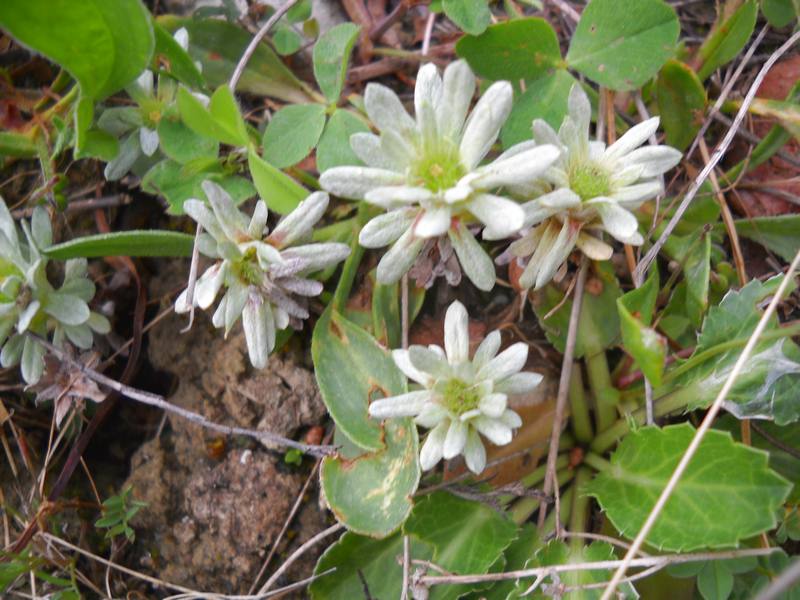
286, 40
351, 370
371, 494
331, 55
599, 323
518, 555
281, 193
124, 243
779, 234
715, 581
181, 144
545, 98
681, 103
785, 111
219, 45
355, 556
621, 44
695, 255
557, 552
517, 49
780, 13
728, 39
179, 64
299, 12
91, 142
177, 183
472, 16
726, 495
766, 388
16, 145
103, 45
334, 146
293, 133
221, 121
647, 347
468, 537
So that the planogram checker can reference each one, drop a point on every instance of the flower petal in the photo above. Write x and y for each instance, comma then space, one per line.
655, 160
493, 405
455, 440
428, 88
593, 248
208, 285
458, 87
456, 333
433, 448
618, 222
199, 211
487, 349
519, 383
404, 405
233, 222
259, 330
631, 196
485, 122
474, 453
518, 169
476, 263
511, 419
258, 221
148, 141
560, 199
544, 134
367, 147
386, 111
509, 361
579, 109
428, 361
235, 301
299, 223
398, 260
433, 222
431, 415
557, 253
397, 195
633, 138
317, 256
403, 362
385, 229
502, 216
493, 430
355, 182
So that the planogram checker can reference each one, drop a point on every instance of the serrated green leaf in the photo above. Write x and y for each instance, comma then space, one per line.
331, 55
334, 148
351, 370
517, 49
545, 98
622, 53
643, 343
293, 133
124, 243
728, 39
219, 45
179, 64
468, 537
472, 16
371, 494
681, 103
221, 121
375, 560
518, 555
557, 552
281, 193
727, 494
103, 45
599, 323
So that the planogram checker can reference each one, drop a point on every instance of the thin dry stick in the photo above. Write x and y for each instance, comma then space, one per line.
404, 341
645, 561
286, 523
161, 402
783, 583
550, 481
701, 431
251, 47
298, 553
719, 152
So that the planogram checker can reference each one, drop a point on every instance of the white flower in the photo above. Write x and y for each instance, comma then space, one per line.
425, 171
460, 398
264, 274
589, 189
30, 303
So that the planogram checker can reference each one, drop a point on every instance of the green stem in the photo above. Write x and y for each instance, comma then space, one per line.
606, 396
579, 408
608, 437
566, 512
350, 268
523, 508
579, 511
597, 462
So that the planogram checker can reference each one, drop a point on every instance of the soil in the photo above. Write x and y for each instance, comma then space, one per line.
213, 510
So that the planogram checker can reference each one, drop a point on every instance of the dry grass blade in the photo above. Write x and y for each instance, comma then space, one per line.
701, 431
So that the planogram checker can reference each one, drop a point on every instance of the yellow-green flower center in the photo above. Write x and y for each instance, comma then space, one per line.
459, 397
247, 268
438, 171
589, 180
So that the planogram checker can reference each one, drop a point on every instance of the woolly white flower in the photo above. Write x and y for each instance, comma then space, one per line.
460, 398
591, 188
30, 303
264, 274
425, 172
